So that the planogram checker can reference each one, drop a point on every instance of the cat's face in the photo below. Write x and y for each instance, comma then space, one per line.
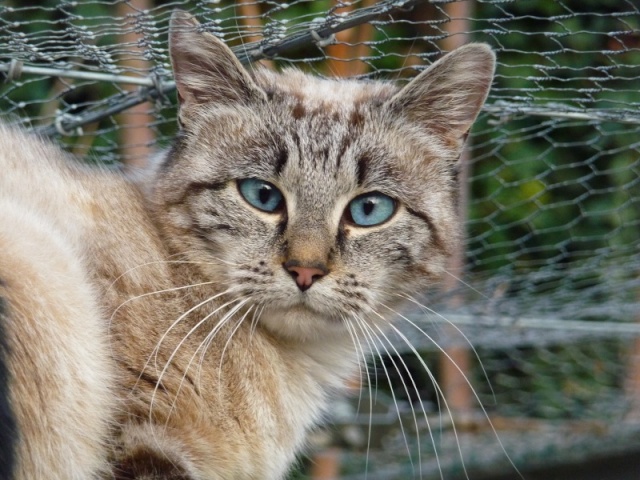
318, 202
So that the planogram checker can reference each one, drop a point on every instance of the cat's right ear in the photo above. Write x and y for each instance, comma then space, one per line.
205, 70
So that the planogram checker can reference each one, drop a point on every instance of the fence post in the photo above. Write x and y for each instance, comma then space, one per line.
326, 464
632, 381
456, 360
136, 136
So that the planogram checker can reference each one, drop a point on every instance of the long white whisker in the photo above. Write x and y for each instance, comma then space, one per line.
183, 316
154, 352
170, 262
156, 292
256, 318
413, 412
462, 334
226, 345
357, 343
203, 346
464, 376
206, 343
358, 348
434, 381
175, 350
466, 284
366, 330
439, 391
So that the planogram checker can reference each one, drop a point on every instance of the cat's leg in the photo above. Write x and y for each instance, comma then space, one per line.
57, 362
146, 452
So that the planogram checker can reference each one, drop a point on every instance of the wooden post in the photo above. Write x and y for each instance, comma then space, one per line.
251, 20
632, 381
326, 465
350, 48
457, 391
136, 136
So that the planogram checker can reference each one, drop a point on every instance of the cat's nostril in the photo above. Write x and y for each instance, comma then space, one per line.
304, 276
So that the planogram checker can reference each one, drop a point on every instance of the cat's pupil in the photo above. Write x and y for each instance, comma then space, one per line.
368, 206
264, 194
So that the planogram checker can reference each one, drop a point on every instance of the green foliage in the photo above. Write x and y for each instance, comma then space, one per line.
577, 381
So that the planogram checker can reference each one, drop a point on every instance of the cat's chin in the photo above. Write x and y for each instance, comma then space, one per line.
302, 323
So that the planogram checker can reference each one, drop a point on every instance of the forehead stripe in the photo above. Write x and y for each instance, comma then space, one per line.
362, 168
281, 161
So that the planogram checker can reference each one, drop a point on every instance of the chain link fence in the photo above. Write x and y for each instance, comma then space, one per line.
541, 312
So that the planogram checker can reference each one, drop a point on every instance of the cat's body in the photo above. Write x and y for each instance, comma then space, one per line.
195, 331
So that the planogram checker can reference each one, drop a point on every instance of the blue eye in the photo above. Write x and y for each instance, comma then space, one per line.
260, 194
371, 209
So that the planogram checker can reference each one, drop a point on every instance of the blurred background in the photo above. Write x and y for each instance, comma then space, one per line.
533, 344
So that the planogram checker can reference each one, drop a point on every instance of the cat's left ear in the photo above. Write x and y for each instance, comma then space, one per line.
447, 97
205, 70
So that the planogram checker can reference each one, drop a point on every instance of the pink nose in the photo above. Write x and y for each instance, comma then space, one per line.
304, 276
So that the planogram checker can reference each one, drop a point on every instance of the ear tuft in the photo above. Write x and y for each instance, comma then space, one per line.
205, 70
447, 97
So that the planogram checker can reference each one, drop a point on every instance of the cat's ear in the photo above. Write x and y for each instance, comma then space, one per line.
447, 97
205, 70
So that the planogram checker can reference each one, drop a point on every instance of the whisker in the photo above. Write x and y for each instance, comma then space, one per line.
206, 342
170, 262
226, 345
256, 318
357, 343
154, 352
169, 361
366, 330
433, 379
157, 292
440, 394
182, 317
362, 356
428, 310
462, 334
175, 350
415, 388
184, 376
464, 376
467, 285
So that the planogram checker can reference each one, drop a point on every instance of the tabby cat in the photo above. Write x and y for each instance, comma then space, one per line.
196, 328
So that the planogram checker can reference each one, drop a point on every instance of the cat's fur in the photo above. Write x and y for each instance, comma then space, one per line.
159, 335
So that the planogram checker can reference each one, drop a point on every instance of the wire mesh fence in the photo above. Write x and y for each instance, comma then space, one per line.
545, 302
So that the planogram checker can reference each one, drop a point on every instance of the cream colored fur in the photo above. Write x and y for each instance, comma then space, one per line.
162, 335
57, 335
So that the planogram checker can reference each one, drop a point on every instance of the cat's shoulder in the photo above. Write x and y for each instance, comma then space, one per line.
36, 164
21, 148
43, 184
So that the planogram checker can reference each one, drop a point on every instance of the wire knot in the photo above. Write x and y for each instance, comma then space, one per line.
15, 70
61, 117
321, 41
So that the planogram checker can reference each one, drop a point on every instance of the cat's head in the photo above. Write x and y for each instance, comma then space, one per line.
317, 201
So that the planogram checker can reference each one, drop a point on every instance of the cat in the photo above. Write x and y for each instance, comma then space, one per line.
197, 325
